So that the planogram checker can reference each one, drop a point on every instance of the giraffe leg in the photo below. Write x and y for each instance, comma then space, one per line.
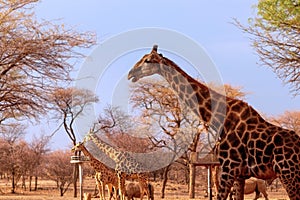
121, 185
142, 191
103, 190
231, 194
99, 186
96, 190
291, 186
150, 192
239, 186
234, 191
110, 190
143, 188
225, 184
287, 163
289, 172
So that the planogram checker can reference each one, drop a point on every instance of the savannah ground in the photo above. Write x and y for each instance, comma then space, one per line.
47, 191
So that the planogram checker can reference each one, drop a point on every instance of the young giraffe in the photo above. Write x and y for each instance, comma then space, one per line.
126, 166
104, 175
248, 145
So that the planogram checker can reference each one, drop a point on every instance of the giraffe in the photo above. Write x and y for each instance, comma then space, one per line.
247, 145
104, 175
126, 166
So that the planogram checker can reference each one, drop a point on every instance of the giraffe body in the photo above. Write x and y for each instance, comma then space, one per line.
248, 145
126, 166
104, 175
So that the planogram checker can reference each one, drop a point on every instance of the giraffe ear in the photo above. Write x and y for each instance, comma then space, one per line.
154, 49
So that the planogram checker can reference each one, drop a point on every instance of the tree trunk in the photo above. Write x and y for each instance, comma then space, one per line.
165, 179
192, 181
75, 176
13, 182
23, 183
61, 189
187, 176
154, 176
35, 183
30, 179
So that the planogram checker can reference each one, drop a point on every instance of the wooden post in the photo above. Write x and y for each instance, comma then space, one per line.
208, 160
80, 181
209, 188
79, 160
192, 181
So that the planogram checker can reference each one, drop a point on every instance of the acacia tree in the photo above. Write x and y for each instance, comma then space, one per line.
275, 32
59, 169
19, 158
231, 91
35, 57
70, 104
289, 120
38, 149
12, 149
122, 131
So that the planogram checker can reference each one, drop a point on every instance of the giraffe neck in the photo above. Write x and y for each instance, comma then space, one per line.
87, 153
198, 97
106, 148
124, 161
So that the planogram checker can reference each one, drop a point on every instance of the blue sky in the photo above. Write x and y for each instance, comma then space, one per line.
209, 23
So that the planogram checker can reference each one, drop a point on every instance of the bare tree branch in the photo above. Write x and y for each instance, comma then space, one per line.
35, 57
275, 35
70, 103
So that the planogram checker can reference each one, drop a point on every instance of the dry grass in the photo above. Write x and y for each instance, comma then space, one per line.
173, 191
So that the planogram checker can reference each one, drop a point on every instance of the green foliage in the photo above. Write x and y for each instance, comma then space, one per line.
279, 13
276, 38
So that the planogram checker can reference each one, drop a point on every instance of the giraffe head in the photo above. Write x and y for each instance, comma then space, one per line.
149, 64
78, 147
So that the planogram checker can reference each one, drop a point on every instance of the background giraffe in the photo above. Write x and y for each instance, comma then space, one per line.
248, 145
126, 166
104, 175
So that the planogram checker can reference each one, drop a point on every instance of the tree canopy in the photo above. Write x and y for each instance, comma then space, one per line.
275, 32
70, 103
35, 57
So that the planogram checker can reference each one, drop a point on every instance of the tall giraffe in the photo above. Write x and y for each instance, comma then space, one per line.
126, 166
104, 175
248, 145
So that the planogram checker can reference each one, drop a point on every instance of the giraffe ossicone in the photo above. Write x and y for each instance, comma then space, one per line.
248, 145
